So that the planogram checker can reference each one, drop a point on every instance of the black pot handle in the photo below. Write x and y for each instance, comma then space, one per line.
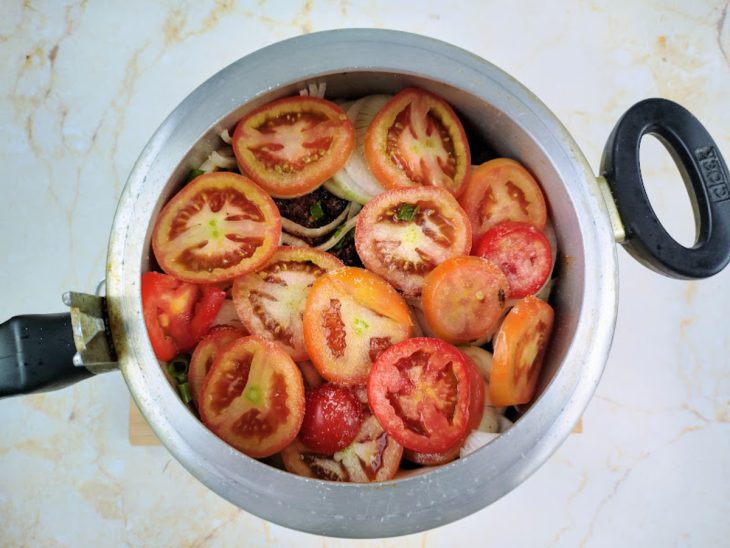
706, 177
36, 354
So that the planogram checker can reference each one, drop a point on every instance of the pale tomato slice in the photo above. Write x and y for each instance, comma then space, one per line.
205, 354
464, 298
519, 348
253, 397
351, 316
405, 233
219, 226
293, 145
270, 302
372, 456
417, 139
502, 190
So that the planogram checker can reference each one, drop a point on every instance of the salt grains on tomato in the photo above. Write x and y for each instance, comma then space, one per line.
332, 419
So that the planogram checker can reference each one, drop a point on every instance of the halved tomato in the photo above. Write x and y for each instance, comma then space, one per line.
372, 456
519, 348
403, 234
351, 316
253, 397
270, 301
332, 418
502, 190
293, 145
420, 392
417, 139
463, 298
221, 225
522, 252
205, 353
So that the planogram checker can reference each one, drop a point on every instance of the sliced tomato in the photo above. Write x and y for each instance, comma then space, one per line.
351, 316
372, 456
293, 145
519, 348
502, 190
476, 411
332, 419
420, 392
177, 314
253, 397
221, 225
205, 353
403, 234
270, 302
522, 252
416, 139
463, 298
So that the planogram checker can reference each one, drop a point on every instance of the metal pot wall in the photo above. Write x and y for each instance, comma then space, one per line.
589, 213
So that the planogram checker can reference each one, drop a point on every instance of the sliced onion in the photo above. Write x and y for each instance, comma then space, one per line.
338, 235
314, 89
482, 358
354, 210
298, 230
216, 161
288, 239
476, 440
226, 137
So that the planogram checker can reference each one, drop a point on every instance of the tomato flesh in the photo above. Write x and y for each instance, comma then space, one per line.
519, 348
403, 234
219, 226
293, 145
420, 391
332, 419
417, 139
253, 397
270, 302
205, 354
522, 252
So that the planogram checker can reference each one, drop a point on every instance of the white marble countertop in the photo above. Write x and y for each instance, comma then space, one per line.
84, 85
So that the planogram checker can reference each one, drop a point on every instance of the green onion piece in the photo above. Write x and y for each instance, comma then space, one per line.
344, 240
178, 368
185, 392
193, 174
315, 210
406, 212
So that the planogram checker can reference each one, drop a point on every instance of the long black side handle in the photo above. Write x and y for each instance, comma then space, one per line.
36, 354
704, 172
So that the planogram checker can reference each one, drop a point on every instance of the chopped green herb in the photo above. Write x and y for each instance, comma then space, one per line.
344, 240
193, 174
315, 210
406, 212
185, 392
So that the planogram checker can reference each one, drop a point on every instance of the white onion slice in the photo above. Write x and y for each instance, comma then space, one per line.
338, 235
298, 230
476, 440
226, 137
217, 160
288, 239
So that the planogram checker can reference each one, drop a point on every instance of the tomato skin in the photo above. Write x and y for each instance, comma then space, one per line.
271, 146
219, 226
351, 315
519, 348
177, 314
270, 302
522, 252
420, 391
417, 139
332, 419
502, 190
463, 298
205, 353
404, 250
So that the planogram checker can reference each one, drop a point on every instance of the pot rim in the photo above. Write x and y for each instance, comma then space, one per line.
355, 510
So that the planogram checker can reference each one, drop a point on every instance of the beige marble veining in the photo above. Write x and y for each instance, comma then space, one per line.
85, 84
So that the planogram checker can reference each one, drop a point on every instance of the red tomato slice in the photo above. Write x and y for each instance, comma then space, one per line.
417, 139
350, 317
332, 419
463, 298
177, 314
205, 353
293, 145
253, 397
519, 348
270, 302
420, 390
372, 456
522, 252
403, 234
502, 190
221, 225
